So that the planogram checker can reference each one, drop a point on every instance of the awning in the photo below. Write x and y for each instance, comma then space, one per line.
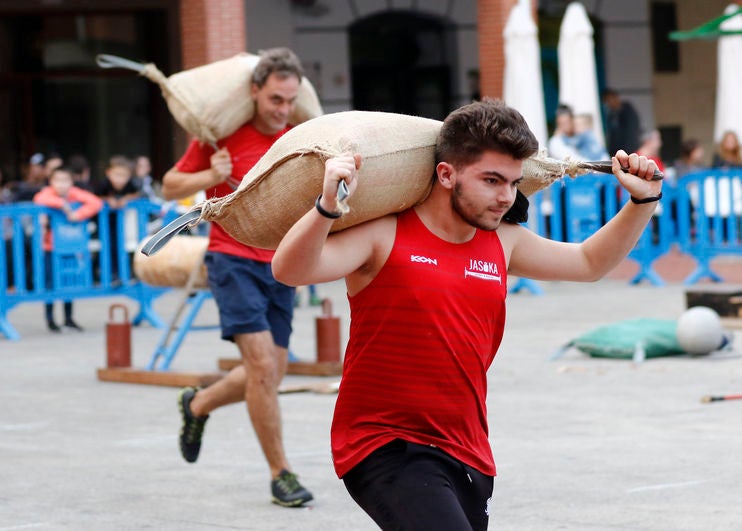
710, 30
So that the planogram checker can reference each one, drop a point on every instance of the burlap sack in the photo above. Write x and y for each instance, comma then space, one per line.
173, 264
212, 101
396, 173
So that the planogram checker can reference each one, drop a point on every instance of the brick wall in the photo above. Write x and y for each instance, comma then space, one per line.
491, 18
211, 30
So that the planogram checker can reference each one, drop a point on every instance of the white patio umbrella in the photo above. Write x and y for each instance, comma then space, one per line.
578, 78
729, 77
522, 86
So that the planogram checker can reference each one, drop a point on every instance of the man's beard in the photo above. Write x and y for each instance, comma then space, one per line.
459, 207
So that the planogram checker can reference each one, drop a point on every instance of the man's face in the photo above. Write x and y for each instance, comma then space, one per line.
274, 102
565, 124
484, 191
612, 101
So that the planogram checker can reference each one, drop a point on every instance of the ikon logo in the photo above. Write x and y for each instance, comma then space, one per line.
423, 260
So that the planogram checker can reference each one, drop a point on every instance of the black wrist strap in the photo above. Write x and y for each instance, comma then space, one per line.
325, 213
646, 199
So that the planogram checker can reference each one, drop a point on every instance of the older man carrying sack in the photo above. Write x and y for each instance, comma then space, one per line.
255, 310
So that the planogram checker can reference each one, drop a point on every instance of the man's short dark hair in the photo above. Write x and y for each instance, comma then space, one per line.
487, 125
280, 61
563, 108
607, 92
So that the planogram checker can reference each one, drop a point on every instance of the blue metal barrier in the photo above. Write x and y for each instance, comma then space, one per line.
81, 264
574, 209
709, 207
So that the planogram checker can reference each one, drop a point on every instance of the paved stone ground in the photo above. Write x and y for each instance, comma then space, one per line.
581, 443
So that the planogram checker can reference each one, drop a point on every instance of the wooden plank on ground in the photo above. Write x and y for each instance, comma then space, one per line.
724, 299
166, 378
731, 322
323, 368
328, 388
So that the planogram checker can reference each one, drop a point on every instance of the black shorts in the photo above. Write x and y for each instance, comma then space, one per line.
249, 298
406, 486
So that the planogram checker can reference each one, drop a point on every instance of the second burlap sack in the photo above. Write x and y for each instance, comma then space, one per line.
212, 101
398, 162
177, 263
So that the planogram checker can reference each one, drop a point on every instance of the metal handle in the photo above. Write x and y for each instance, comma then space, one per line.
113, 61
606, 166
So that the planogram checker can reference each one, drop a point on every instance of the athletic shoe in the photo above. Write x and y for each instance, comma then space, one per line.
53, 327
288, 492
192, 428
315, 300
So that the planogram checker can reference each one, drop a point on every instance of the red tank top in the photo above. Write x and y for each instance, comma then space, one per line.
422, 335
246, 146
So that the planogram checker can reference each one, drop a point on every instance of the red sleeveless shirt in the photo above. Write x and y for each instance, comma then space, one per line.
422, 335
246, 146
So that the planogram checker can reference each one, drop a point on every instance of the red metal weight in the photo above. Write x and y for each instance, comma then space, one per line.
328, 335
118, 337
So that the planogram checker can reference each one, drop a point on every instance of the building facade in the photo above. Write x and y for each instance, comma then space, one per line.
406, 56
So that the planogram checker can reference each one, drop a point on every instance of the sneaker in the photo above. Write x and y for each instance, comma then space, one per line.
72, 325
288, 492
53, 327
315, 300
192, 428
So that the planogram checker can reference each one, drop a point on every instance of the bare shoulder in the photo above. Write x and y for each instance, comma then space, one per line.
510, 234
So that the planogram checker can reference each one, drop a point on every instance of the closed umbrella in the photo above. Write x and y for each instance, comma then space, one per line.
578, 79
522, 86
729, 76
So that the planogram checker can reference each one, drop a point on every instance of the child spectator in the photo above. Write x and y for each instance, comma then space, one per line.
117, 189
62, 194
586, 142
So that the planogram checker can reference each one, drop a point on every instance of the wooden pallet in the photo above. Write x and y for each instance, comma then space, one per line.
166, 378
724, 299
320, 368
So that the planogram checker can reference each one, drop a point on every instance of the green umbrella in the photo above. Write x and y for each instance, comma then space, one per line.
710, 30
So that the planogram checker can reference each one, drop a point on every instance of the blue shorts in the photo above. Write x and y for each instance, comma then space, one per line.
249, 298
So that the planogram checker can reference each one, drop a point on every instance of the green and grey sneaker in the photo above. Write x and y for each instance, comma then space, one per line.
192, 428
287, 490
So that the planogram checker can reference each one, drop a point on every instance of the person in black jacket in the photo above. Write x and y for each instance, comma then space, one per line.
623, 128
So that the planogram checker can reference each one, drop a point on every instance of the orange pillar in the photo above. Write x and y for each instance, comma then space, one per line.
211, 30
491, 18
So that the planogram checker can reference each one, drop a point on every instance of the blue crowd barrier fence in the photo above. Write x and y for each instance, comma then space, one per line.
88, 259
709, 218
701, 214
574, 209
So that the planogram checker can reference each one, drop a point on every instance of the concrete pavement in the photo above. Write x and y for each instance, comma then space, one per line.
580, 443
